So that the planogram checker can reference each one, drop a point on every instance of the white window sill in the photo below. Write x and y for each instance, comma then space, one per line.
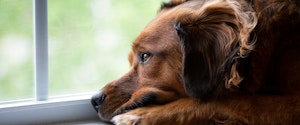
55, 110
87, 122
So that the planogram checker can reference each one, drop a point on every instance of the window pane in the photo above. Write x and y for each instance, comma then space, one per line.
89, 41
16, 50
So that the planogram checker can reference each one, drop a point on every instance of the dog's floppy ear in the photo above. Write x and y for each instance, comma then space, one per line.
212, 39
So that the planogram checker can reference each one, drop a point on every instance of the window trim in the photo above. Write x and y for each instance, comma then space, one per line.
41, 49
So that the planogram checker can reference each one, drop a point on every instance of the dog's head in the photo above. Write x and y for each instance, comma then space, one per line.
189, 50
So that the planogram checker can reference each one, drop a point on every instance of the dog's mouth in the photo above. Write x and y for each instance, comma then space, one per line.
148, 99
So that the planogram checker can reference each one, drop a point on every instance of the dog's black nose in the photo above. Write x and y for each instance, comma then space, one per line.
97, 100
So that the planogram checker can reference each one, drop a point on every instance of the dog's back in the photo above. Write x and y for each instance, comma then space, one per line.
275, 63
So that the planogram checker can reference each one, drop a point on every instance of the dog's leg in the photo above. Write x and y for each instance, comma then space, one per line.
180, 112
231, 111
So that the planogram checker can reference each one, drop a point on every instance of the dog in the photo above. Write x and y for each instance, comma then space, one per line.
197, 62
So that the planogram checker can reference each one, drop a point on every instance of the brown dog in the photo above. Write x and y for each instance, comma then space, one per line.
211, 62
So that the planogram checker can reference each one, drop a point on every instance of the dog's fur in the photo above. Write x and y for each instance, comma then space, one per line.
211, 62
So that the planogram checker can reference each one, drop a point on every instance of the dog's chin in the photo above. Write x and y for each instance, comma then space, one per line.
127, 109
148, 99
107, 117
104, 118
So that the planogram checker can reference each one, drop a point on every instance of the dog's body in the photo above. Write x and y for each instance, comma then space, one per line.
211, 62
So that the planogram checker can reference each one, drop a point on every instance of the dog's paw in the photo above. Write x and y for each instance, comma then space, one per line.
126, 119
151, 115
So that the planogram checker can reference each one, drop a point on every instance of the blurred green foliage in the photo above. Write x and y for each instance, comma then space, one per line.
16, 47
89, 41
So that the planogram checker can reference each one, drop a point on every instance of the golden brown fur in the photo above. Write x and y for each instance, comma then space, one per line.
211, 62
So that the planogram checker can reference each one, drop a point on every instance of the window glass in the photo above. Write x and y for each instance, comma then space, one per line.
16, 50
89, 41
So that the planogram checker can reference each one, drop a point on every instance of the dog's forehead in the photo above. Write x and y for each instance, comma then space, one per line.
160, 33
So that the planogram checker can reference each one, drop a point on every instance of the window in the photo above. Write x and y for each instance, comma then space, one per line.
88, 43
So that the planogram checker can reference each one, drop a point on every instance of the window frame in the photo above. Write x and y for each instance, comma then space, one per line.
42, 109
40, 15
54, 110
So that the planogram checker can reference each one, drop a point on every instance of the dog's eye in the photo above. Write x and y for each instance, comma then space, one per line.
145, 57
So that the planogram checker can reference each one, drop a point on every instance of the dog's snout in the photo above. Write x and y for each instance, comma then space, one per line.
97, 100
